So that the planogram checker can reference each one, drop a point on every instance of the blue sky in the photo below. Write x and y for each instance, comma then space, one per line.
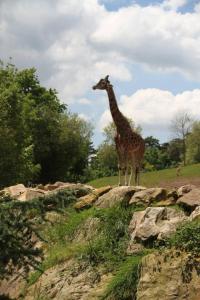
150, 49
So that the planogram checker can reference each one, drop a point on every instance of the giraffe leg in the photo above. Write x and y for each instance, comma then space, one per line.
129, 183
119, 175
126, 173
137, 175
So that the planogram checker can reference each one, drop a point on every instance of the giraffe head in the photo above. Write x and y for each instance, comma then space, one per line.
102, 84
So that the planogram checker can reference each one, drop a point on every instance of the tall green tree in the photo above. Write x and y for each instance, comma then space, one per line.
193, 144
39, 139
181, 127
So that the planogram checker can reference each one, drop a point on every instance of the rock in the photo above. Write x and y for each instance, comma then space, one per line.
13, 286
79, 189
87, 230
40, 187
30, 194
88, 200
52, 217
70, 281
167, 202
154, 223
134, 248
115, 196
185, 189
195, 214
50, 187
191, 199
169, 276
15, 190
146, 197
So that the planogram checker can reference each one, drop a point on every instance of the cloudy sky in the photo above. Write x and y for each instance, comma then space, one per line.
150, 49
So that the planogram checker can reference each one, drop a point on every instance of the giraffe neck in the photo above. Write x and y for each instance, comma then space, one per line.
118, 118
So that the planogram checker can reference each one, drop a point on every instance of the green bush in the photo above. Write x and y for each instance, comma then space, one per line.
123, 286
111, 244
187, 237
16, 229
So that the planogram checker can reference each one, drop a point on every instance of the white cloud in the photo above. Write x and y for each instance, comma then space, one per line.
84, 101
72, 43
197, 8
173, 4
154, 109
84, 117
160, 39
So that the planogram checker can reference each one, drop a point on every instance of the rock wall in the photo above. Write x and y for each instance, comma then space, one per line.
170, 275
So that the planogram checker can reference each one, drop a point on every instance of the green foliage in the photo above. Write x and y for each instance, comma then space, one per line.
123, 286
16, 229
59, 237
17, 248
193, 144
111, 244
39, 139
187, 237
65, 229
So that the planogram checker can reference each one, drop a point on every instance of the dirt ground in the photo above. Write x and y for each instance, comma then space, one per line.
176, 183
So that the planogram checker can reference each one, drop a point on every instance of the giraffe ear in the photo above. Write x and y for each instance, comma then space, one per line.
106, 78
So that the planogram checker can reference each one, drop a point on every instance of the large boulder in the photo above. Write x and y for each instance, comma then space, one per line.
88, 230
15, 190
185, 189
191, 199
169, 275
195, 214
115, 196
78, 188
146, 197
87, 200
30, 194
70, 281
154, 223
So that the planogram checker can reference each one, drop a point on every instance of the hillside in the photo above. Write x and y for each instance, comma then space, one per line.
165, 178
108, 243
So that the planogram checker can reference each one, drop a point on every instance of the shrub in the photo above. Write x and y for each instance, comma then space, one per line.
110, 246
123, 286
187, 237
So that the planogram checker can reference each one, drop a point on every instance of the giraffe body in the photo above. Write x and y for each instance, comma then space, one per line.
129, 145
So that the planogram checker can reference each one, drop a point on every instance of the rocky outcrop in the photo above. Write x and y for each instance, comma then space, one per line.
22, 193
154, 223
146, 197
30, 194
115, 196
88, 200
169, 276
70, 281
191, 199
195, 215
88, 230
13, 286
15, 190
185, 189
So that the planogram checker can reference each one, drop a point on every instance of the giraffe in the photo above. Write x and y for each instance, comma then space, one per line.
130, 146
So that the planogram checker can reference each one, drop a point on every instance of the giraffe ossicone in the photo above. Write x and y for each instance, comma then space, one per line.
130, 145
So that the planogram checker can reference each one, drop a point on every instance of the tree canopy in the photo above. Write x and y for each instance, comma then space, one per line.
40, 140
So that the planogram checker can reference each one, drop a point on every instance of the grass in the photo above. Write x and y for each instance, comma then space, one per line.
154, 178
187, 237
123, 285
59, 247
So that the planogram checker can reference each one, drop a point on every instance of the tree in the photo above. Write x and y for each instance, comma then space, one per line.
40, 140
175, 151
181, 127
193, 144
